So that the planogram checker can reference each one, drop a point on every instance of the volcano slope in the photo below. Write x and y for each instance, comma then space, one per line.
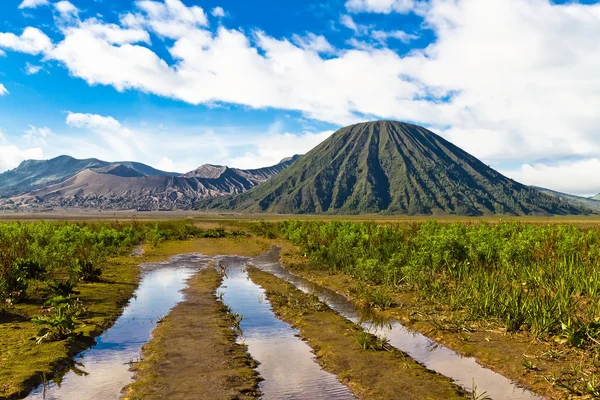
392, 168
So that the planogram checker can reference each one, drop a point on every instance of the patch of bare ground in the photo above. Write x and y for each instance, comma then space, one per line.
193, 353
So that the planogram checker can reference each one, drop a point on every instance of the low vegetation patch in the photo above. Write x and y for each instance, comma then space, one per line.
535, 288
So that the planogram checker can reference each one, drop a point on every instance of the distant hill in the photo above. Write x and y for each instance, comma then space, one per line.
125, 185
394, 168
592, 203
35, 174
256, 176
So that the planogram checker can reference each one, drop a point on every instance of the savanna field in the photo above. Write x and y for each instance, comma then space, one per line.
533, 285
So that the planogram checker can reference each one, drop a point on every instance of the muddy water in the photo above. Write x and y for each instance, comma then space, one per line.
463, 370
286, 362
102, 371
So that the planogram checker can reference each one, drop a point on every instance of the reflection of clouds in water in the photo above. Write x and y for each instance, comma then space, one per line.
160, 288
285, 361
100, 384
290, 371
107, 362
433, 356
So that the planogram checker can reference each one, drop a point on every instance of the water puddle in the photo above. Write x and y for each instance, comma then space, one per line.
463, 370
285, 361
102, 371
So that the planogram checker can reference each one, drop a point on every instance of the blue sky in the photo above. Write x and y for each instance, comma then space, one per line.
176, 84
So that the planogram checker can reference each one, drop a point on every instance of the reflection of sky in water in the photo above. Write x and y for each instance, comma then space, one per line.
286, 362
107, 363
435, 357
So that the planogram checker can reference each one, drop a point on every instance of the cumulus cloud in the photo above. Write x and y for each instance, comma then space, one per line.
285, 75
171, 19
312, 42
37, 136
31, 41
218, 12
383, 36
166, 164
122, 141
93, 121
31, 69
577, 177
66, 9
11, 156
182, 149
348, 22
272, 148
33, 3
380, 6
3, 90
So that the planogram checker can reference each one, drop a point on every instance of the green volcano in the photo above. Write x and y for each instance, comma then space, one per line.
393, 168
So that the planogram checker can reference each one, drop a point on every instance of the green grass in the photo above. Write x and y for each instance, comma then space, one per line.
23, 363
525, 277
540, 282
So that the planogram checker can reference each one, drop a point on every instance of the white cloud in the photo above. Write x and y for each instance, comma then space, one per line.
33, 3
112, 33
181, 150
576, 177
3, 90
95, 121
31, 41
66, 9
348, 22
122, 141
272, 148
381, 6
218, 12
171, 19
284, 76
37, 136
31, 69
166, 164
11, 156
312, 42
383, 36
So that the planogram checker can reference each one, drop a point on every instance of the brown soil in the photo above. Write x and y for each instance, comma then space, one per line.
194, 354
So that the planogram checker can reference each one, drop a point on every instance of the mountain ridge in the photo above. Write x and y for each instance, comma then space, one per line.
119, 186
35, 174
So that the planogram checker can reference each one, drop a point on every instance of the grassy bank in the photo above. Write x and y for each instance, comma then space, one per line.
519, 356
368, 366
523, 299
23, 362
194, 353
